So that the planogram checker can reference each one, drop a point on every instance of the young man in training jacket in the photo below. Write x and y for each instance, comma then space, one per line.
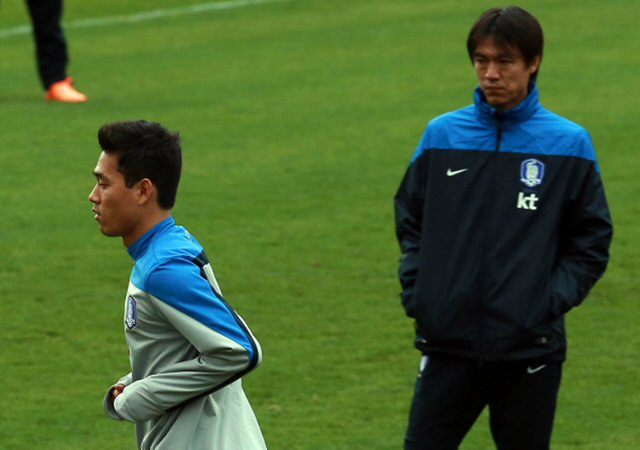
504, 227
187, 347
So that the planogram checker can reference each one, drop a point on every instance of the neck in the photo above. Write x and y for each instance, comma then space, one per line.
147, 223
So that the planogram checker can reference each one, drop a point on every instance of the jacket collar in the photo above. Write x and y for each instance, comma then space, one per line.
139, 247
522, 111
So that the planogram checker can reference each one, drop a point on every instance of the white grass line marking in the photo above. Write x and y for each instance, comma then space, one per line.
142, 16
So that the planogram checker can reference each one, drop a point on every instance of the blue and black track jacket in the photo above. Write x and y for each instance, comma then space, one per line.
504, 227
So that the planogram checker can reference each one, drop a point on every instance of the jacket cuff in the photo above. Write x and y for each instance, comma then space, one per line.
109, 407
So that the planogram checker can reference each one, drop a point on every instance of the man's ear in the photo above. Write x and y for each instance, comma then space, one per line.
146, 191
535, 64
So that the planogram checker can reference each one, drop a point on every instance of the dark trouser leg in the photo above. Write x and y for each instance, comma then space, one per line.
450, 395
523, 404
51, 46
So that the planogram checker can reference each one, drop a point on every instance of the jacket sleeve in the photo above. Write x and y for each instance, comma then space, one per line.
225, 349
409, 201
108, 404
586, 233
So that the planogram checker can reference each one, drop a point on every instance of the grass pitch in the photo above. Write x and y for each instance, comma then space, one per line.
298, 119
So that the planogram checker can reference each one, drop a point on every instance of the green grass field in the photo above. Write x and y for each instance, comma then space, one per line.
298, 120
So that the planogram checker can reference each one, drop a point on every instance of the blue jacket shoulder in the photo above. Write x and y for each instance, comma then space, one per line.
551, 134
177, 247
448, 131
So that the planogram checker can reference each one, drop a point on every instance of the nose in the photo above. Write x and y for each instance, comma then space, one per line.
93, 196
492, 72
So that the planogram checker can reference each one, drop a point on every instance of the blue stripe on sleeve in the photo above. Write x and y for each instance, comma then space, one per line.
180, 284
168, 271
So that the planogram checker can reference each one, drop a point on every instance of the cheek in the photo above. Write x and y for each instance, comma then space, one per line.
119, 208
110, 205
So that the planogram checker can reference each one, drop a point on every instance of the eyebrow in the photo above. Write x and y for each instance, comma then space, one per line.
100, 175
502, 53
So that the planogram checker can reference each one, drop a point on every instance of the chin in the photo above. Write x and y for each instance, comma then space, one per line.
108, 233
496, 102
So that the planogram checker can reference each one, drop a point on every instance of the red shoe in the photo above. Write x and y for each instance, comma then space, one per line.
63, 91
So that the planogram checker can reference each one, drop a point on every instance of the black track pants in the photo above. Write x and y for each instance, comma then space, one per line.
451, 393
51, 46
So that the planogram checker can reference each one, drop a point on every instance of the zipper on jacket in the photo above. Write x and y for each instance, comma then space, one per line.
481, 306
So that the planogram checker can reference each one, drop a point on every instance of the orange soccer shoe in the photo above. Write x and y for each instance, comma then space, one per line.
63, 91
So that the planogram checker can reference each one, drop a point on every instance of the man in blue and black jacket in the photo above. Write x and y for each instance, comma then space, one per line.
504, 227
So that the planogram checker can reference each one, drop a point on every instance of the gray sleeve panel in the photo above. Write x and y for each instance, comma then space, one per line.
220, 360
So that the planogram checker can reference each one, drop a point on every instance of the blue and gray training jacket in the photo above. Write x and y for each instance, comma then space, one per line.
188, 351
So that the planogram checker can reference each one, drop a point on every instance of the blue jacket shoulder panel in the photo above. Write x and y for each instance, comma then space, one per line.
162, 243
165, 267
179, 283
529, 128
459, 130
547, 133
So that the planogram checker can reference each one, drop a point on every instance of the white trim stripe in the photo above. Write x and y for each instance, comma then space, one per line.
144, 16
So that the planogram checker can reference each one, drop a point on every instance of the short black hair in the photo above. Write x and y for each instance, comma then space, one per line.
510, 26
145, 150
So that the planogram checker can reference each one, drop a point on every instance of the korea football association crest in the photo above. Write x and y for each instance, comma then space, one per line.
531, 172
131, 314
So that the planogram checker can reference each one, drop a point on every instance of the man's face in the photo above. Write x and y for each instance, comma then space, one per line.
114, 204
502, 73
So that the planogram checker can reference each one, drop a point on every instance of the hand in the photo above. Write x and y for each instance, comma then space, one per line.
117, 390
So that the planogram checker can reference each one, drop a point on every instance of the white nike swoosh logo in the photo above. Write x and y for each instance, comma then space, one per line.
451, 173
532, 370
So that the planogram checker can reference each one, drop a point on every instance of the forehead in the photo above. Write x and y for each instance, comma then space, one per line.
489, 47
107, 166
